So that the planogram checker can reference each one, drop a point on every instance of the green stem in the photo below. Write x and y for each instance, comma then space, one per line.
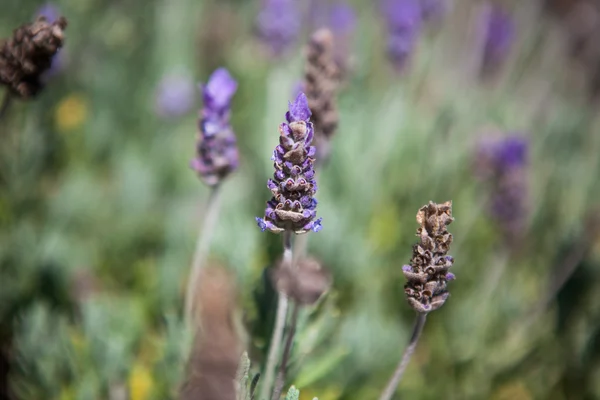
280, 381
410, 349
282, 306
204, 238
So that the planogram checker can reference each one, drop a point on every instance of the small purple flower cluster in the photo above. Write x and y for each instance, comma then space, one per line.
501, 163
403, 18
293, 207
278, 24
217, 153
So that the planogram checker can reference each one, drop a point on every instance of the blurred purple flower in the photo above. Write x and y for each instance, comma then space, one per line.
216, 149
432, 10
175, 95
278, 24
499, 33
293, 186
403, 18
502, 164
52, 14
342, 18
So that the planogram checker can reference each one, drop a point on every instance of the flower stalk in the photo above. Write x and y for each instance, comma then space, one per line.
410, 349
282, 307
211, 217
427, 276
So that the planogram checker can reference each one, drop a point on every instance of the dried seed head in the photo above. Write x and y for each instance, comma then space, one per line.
427, 274
28, 54
305, 283
293, 186
321, 77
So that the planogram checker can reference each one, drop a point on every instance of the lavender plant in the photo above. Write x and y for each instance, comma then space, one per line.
501, 164
292, 209
427, 276
321, 77
403, 20
278, 25
498, 31
52, 14
27, 55
216, 158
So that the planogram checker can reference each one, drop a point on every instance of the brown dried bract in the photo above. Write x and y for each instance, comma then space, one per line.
28, 53
304, 283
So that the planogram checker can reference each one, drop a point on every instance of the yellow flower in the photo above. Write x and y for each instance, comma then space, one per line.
71, 113
140, 383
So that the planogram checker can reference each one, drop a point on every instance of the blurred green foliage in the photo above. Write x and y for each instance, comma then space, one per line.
99, 210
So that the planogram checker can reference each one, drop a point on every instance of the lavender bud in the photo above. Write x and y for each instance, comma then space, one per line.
305, 283
217, 153
278, 24
427, 274
293, 186
498, 30
403, 18
502, 164
174, 95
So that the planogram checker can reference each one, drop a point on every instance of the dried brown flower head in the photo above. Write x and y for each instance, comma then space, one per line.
28, 53
321, 76
427, 274
304, 283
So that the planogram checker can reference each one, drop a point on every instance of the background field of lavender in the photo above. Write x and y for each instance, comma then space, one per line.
99, 209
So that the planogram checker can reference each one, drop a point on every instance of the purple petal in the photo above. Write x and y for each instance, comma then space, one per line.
261, 224
299, 110
220, 88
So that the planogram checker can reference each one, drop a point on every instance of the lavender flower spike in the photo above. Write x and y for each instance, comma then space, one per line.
499, 34
293, 206
217, 153
403, 19
278, 24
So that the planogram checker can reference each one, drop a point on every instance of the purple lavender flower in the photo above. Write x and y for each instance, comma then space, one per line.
293, 206
403, 18
175, 95
52, 14
502, 164
342, 19
278, 24
217, 153
499, 31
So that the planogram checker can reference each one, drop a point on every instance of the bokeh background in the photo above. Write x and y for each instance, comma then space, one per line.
99, 209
